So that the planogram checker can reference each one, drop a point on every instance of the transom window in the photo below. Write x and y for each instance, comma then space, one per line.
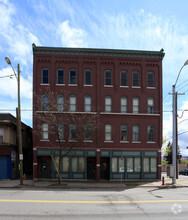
45, 76
44, 131
60, 76
123, 104
136, 105
60, 102
88, 77
123, 76
108, 78
151, 133
151, 105
72, 77
72, 103
136, 78
108, 132
136, 133
87, 103
151, 80
108, 104
124, 132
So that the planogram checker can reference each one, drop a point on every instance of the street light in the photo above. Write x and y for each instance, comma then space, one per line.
174, 110
19, 120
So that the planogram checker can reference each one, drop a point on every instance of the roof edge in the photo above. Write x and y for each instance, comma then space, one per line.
97, 52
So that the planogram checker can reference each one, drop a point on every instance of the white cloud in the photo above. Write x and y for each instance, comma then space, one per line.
70, 36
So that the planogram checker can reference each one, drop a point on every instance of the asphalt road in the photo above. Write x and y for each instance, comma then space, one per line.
132, 203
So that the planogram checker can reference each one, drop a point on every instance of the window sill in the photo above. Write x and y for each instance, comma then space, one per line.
108, 86
85, 141
44, 84
108, 142
88, 85
59, 84
44, 140
151, 142
60, 140
124, 142
72, 141
124, 86
72, 85
136, 142
150, 87
136, 87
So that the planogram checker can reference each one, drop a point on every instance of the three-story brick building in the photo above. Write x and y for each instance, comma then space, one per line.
122, 88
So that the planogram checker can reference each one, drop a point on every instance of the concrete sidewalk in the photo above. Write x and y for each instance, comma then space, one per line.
52, 184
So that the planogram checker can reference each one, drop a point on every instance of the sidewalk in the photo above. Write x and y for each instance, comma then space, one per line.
52, 184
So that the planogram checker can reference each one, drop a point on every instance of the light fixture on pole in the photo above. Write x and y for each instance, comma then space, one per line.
19, 120
174, 111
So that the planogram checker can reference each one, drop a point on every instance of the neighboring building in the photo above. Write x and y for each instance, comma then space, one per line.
124, 87
9, 150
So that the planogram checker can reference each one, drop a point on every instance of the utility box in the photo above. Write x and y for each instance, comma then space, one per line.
170, 171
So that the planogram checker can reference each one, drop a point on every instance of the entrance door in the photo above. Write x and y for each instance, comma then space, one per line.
105, 168
91, 165
44, 169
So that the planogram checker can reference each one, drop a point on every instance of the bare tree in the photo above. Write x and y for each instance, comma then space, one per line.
55, 114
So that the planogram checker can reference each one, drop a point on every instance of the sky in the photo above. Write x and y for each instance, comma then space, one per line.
121, 24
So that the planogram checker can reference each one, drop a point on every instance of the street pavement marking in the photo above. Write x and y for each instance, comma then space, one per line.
91, 202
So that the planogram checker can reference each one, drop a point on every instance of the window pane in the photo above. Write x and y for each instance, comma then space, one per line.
108, 132
72, 77
88, 132
60, 131
150, 105
1, 134
44, 131
124, 133
45, 102
65, 164
60, 76
137, 166
45, 76
121, 164
129, 165
136, 133
74, 164
136, 80
72, 132
135, 105
88, 77
81, 164
153, 164
146, 164
151, 79
124, 81
124, 104
114, 164
72, 101
108, 77
87, 104
108, 104
151, 133
60, 103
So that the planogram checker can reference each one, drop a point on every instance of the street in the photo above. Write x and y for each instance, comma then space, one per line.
130, 203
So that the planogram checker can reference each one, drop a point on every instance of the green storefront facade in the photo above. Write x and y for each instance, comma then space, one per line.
101, 164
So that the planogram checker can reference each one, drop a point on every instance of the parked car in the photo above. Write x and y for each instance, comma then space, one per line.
183, 172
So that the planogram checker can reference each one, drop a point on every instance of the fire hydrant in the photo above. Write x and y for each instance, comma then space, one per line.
163, 180
24, 176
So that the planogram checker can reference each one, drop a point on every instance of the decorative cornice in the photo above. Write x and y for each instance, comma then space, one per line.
98, 52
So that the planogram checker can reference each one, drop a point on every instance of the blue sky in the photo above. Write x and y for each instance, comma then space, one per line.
120, 24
